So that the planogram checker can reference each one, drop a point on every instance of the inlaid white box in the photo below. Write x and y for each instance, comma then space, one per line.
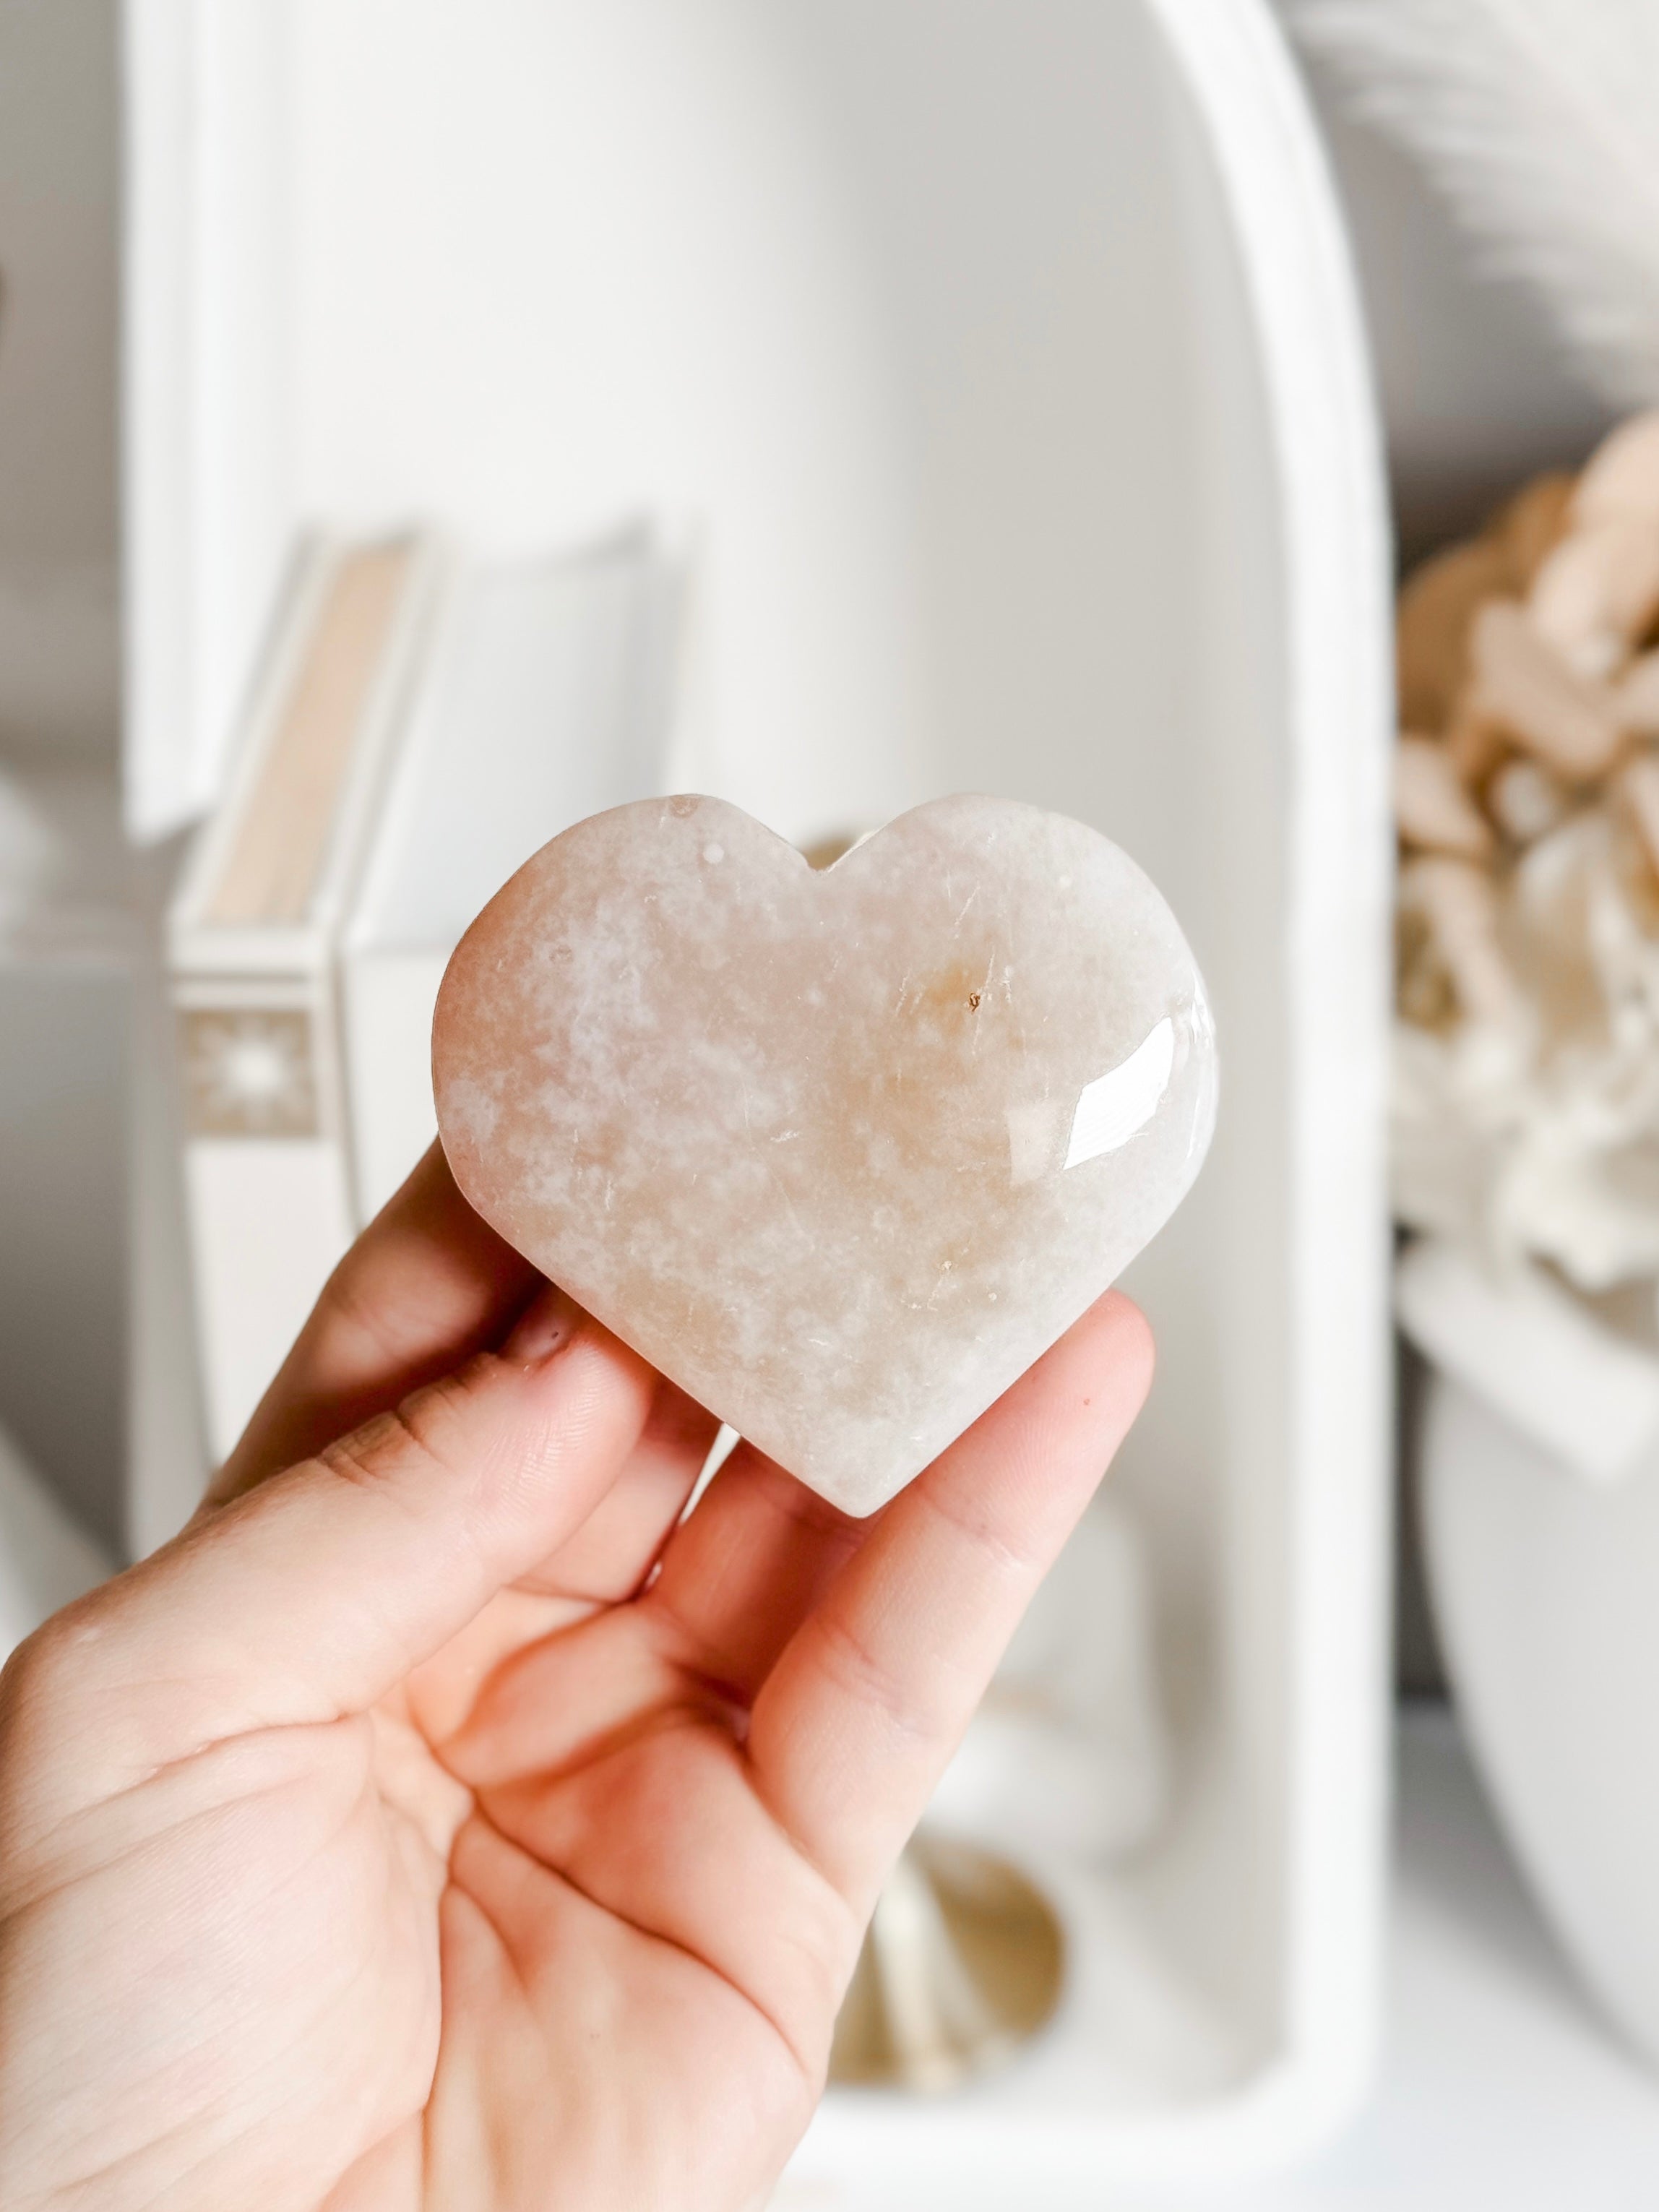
1003, 357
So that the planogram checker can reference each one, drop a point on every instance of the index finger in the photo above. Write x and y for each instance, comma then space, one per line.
427, 1285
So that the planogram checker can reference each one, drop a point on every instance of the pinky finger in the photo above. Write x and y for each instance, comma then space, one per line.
854, 1725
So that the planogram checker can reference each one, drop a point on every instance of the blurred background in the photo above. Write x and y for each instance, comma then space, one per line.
828, 405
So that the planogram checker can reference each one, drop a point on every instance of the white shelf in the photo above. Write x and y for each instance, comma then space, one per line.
1501, 2090
1500, 2085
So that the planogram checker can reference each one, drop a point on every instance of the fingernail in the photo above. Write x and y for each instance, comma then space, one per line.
546, 1326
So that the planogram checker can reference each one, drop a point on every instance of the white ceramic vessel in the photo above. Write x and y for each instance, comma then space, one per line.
1546, 1593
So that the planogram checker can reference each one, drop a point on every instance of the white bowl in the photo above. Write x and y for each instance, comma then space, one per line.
1545, 1592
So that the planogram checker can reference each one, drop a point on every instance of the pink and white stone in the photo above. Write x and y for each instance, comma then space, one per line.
841, 1152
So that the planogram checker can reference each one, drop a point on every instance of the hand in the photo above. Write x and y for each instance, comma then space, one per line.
443, 1821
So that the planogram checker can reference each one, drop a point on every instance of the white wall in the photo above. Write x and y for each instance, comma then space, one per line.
62, 1020
1475, 391
59, 169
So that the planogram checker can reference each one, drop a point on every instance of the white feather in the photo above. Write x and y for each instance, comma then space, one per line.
1538, 120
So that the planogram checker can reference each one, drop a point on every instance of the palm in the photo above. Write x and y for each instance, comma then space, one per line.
613, 1904
349, 1859
604, 1927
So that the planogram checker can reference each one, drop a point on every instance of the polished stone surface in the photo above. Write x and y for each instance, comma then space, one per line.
839, 1151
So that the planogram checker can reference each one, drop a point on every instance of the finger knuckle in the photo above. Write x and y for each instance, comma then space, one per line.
860, 1673
45, 1671
433, 1416
348, 1309
981, 1529
371, 1453
419, 1431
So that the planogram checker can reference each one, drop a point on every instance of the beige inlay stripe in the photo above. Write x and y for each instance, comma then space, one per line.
279, 850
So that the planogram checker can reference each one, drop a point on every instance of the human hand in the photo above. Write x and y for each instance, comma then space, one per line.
443, 1822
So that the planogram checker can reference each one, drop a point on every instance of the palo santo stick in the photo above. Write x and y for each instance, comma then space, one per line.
1436, 606
1525, 799
1622, 476
1598, 592
1637, 696
1521, 682
1533, 523
1458, 902
1431, 808
1637, 785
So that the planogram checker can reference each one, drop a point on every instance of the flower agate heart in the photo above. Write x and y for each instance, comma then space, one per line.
839, 1151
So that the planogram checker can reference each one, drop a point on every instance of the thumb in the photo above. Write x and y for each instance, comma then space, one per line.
314, 1594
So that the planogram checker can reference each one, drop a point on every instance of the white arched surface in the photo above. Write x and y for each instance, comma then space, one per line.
1001, 358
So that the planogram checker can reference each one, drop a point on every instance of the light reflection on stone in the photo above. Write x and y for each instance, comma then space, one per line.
1118, 1105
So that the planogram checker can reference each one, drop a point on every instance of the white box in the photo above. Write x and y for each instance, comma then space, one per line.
1006, 353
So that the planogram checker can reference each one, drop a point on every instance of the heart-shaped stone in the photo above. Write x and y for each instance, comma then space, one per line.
839, 1151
